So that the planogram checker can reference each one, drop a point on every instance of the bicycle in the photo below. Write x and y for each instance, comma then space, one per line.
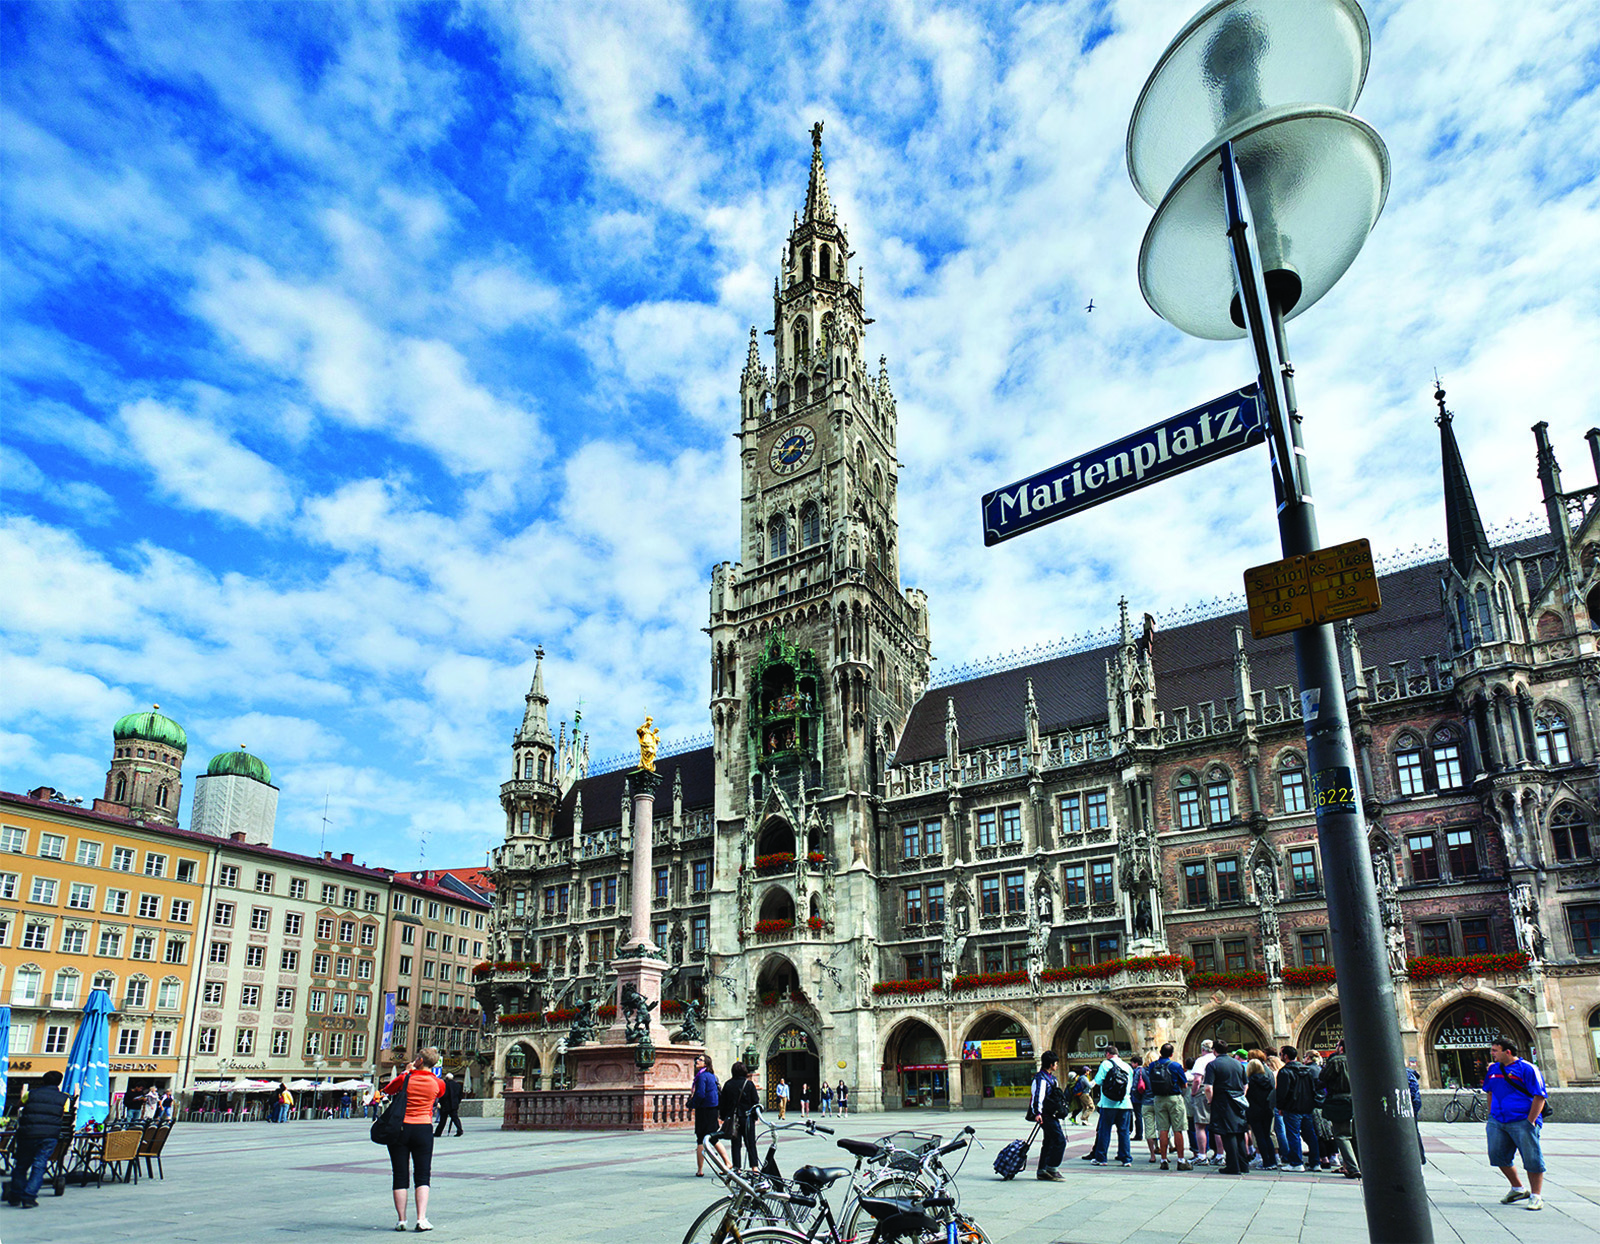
927, 1177
1476, 1107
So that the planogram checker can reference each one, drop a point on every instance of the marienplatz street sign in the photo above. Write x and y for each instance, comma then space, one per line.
1222, 426
1326, 586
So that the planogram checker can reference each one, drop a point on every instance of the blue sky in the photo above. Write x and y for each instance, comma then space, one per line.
350, 352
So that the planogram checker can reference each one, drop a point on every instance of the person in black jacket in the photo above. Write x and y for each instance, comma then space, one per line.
37, 1133
1339, 1111
738, 1105
450, 1105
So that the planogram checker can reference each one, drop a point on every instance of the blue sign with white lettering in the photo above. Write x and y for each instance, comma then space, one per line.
1222, 426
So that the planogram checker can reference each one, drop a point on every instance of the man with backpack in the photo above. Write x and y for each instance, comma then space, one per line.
1297, 1103
1115, 1082
1047, 1106
1169, 1115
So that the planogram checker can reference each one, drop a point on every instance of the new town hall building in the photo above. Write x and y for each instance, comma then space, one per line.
916, 891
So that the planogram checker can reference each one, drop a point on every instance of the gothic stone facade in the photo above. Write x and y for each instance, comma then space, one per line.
911, 890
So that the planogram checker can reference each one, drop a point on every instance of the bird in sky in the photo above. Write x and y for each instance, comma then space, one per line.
1090, 307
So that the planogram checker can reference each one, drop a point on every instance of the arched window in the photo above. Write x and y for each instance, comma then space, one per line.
1187, 801
825, 263
1503, 598
802, 390
1464, 616
1569, 833
1485, 614
1409, 774
161, 795
802, 336
810, 524
1219, 797
1447, 772
527, 768
541, 766
65, 991
1550, 737
1551, 625
877, 481
777, 536
805, 264
783, 398
122, 788
1292, 783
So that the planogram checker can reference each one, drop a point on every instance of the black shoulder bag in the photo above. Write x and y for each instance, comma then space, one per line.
391, 1124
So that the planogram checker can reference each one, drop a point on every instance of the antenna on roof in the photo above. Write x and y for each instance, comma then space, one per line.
324, 845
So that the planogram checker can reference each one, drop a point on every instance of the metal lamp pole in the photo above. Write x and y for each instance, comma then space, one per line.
1386, 1134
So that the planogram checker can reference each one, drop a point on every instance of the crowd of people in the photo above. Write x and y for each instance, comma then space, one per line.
1232, 1111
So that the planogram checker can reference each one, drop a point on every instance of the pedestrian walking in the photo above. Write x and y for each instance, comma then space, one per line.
782, 1094
1516, 1117
38, 1128
1296, 1099
1137, 1099
1225, 1096
707, 1123
450, 1105
1338, 1110
1047, 1106
805, 1101
841, 1097
1114, 1079
1169, 1112
414, 1147
1259, 1091
827, 1098
1200, 1105
739, 1106
1080, 1096
1414, 1087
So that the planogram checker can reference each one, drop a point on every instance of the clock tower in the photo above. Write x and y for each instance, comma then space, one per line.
818, 654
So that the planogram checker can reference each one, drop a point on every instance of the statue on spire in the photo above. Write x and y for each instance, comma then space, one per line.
816, 136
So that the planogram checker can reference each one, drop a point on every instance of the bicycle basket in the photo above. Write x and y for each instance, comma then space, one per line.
910, 1148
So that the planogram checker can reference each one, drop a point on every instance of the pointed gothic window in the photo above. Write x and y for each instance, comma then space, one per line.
1485, 614
122, 788
805, 264
801, 336
802, 390
527, 768
541, 767
1550, 737
825, 264
161, 795
1570, 833
1464, 615
777, 536
810, 524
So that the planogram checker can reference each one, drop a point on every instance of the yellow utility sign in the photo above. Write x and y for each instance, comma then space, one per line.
1326, 586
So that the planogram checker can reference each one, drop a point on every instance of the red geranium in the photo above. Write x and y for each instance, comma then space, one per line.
774, 926
1317, 974
908, 989
777, 862
1425, 967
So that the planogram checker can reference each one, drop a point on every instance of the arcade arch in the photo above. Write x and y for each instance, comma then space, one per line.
915, 1070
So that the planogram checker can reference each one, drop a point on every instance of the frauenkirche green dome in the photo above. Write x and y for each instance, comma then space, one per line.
153, 727
240, 764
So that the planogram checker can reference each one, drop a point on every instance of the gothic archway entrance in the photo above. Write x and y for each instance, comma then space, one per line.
996, 1062
915, 1071
522, 1068
1225, 1031
1324, 1032
1458, 1041
1082, 1037
792, 1056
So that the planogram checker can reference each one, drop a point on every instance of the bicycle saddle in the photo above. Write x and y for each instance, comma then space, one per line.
820, 1176
861, 1148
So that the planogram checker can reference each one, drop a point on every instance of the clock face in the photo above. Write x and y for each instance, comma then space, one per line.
792, 450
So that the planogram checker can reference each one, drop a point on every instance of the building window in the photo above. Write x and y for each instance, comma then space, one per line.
989, 896
88, 853
8, 885
43, 892
1219, 803
324, 929
933, 838
144, 946
1228, 888
260, 919
1303, 872
1583, 921
936, 902
1016, 892
663, 882
1475, 937
154, 865
1569, 833
117, 902
52, 846
700, 876
36, 935
14, 841
297, 887
369, 935
1107, 946
1446, 760
289, 961
1071, 815
178, 911
430, 940
1435, 939
1313, 949
72, 941
1188, 802
221, 913
1097, 814
285, 1000
228, 875
1463, 853
177, 950
81, 896
149, 907
994, 959
1292, 789
65, 992
208, 1041
263, 883
1079, 951
137, 993
913, 905
910, 841
1011, 825
1101, 882
341, 1004
161, 1043
110, 943
168, 995
122, 859
1408, 771
987, 836
186, 870
320, 963
1076, 892
1196, 890
217, 952
699, 929
1235, 955
341, 966
347, 931
353, 897
128, 1041
1204, 955
280, 1043
1550, 737
1424, 852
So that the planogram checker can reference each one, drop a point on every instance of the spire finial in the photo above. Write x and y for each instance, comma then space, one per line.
816, 136
819, 207
1438, 396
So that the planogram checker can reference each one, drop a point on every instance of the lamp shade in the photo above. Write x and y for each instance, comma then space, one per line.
1316, 179
1236, 58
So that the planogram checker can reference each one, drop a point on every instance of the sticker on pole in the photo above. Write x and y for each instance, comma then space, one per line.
1334, 790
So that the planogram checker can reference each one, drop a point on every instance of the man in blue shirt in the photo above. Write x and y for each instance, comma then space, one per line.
1516, 1102
1115, 1081
1045, 1107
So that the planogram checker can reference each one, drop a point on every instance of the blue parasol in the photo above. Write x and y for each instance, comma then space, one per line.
88, 1072
5, 1053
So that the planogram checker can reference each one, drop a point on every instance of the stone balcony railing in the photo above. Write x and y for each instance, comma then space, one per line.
1168, 980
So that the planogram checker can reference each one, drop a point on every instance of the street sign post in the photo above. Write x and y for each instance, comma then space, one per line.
1328, 585
1220, 427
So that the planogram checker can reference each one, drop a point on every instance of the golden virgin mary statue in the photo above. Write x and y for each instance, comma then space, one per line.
649, 742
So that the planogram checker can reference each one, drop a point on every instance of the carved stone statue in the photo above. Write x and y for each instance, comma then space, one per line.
691, 1032
865, 969
948, 954
583, 1026
1273, 953
1395, 940
1143, 918
744, 902
1046, 906
649, 742
637, 1007
1525, 915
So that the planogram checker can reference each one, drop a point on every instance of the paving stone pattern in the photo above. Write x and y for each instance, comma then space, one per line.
325, 1180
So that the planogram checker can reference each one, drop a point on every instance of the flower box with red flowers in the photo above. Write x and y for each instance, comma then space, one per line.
1316, 974
1425, 967
816, 924
561, 1015
778, 862
774, 926
983, 980
671, 1006
906, 989
816, 859
520, 1017
480, 970
606, 1012
770, 998
1228, 980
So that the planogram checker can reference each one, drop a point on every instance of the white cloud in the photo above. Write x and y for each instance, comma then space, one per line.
202, 468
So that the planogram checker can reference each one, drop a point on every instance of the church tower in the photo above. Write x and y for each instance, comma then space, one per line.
818, 654
531, 796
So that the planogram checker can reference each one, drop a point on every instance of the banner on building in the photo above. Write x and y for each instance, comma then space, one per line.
388, 1021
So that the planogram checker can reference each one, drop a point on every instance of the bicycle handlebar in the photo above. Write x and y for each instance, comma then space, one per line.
960, 1142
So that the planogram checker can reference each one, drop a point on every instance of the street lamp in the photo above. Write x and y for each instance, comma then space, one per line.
1265, 189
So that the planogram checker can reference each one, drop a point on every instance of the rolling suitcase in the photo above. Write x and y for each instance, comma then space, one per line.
1014, 1156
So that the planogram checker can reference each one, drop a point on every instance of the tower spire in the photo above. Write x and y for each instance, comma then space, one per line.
1463, 527
819, 207
536, 720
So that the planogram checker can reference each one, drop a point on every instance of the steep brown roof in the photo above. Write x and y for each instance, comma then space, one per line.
602, 793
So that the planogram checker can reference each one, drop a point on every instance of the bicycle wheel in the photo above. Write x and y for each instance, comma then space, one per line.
857, 1223
1452, 1112
761, 1214
1480, 1110
768, 1235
